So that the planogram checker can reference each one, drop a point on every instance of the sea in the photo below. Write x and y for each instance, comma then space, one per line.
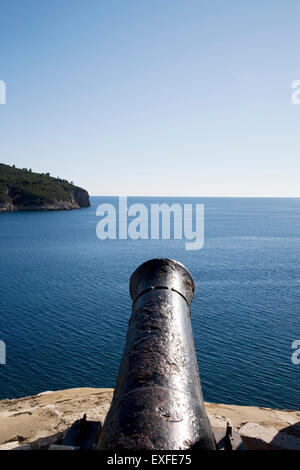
65, 303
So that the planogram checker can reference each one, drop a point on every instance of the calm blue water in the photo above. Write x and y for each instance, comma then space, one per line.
65, 304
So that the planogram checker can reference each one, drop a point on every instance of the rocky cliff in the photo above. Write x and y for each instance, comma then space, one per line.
38, 421
25, 190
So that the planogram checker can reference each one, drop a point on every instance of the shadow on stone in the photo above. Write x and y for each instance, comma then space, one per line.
257, 437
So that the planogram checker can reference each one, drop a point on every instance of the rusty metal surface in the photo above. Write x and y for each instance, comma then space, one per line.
158, 403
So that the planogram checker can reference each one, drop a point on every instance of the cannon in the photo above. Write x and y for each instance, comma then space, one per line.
157, 402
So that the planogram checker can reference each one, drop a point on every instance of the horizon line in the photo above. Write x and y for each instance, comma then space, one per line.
201, 197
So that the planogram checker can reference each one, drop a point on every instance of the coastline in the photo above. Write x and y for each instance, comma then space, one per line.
41, 420
78, 200
24, 190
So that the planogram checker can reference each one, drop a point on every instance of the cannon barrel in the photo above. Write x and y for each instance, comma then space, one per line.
157, 403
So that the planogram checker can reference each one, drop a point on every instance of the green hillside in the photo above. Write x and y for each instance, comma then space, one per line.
23, 188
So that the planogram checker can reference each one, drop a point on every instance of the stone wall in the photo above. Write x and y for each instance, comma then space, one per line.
40, 420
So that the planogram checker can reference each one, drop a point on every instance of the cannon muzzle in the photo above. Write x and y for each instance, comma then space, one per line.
157, 403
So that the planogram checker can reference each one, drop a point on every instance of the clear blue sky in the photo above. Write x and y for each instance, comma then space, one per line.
153, 97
